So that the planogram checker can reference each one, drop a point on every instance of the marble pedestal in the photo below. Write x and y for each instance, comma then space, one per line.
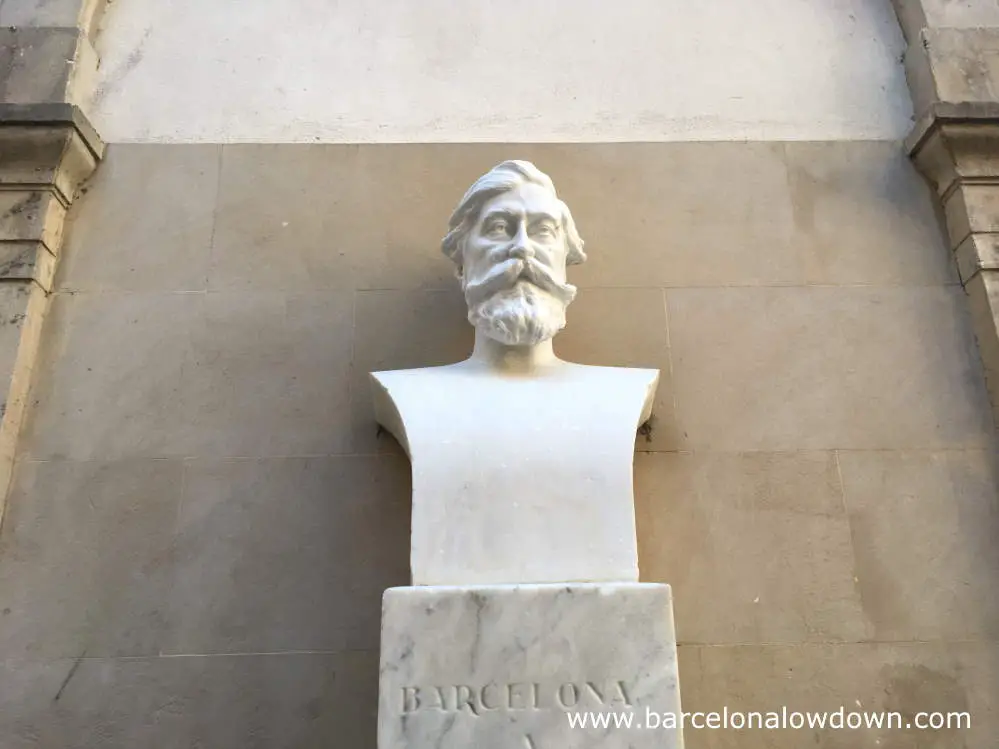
507, 666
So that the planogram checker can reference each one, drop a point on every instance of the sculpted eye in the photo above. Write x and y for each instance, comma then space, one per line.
497, 226
545, 230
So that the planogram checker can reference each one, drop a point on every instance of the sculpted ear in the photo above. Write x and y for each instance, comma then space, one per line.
453, 245
573, 242
449, 246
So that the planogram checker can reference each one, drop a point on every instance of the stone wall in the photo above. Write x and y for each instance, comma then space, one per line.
204, 515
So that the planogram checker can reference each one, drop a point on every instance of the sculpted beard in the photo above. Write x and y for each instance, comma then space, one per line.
518, 303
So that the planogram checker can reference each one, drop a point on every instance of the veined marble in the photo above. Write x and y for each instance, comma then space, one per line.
508, 667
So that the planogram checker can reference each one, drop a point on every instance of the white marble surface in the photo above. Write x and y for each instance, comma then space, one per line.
520, 479
503, 667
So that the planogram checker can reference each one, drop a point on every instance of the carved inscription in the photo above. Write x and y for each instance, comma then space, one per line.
476, 700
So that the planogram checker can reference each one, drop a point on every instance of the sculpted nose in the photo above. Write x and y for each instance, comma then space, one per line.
521, 247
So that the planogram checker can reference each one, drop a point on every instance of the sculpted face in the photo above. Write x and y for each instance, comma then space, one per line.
514, 261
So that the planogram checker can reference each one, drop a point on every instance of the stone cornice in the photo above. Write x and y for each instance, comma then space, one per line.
952, 66
51, 114
951, 113
47, 147
957, 144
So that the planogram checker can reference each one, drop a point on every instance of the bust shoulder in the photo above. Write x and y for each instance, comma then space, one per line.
566, 372
408, 399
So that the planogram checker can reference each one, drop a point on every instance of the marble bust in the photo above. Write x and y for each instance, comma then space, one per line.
522, 462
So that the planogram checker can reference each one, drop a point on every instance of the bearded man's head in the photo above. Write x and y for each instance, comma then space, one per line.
511, 239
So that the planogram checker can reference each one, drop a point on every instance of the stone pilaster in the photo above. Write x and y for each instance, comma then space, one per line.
46, 153
46, 50
957, 147
47, 150
952, 65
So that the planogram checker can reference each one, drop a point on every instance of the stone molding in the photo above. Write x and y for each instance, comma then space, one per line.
48, 149
47, 145
954, 77
956, 141
956, 146
47, 152
952, 66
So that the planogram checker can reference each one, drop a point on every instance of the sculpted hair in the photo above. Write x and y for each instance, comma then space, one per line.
500, 179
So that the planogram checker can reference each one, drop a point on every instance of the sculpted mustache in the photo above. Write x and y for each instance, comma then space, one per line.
505, 275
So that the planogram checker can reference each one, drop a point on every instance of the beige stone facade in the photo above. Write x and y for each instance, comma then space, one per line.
201, 474
203, 514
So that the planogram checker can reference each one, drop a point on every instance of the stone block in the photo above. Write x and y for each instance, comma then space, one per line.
960, 13
37, 64
756, 545
506, 666
864, 215
32, 215
901, 678
111, 377
31, 228
27, 261
976, 253
684, 214
971, 208
277, 701
403, 195
278, 226
953, 65
145, 223
270, 375
923, 526
288, 554
68, 13
825, 368
86, 559
235, 375
957, 218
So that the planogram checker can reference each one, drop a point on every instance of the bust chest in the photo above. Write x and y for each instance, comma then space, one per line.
504, 467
